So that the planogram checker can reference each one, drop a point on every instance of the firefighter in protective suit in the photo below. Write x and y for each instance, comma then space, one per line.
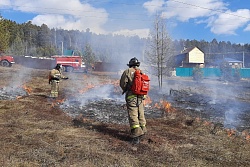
134, 103
54, 78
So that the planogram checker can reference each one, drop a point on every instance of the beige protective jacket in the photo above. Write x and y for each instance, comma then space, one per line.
56, 75
127, 79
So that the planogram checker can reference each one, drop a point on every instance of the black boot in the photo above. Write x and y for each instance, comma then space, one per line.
135, 140
136, 132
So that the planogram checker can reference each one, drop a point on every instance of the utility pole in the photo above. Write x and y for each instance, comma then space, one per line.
62, 48
243, 54
55, 37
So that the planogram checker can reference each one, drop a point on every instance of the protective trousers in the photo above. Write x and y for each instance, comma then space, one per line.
54, 88
136, 116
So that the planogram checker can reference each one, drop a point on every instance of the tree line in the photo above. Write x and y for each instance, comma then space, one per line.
32, 40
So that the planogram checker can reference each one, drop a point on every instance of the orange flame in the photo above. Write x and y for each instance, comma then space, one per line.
157, 105
27, 89
19, 97
147, 101
165, 105
231, 132
248, 137
60, 100
57, 102
207, 123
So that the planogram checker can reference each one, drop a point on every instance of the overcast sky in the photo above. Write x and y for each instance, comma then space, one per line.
225, 20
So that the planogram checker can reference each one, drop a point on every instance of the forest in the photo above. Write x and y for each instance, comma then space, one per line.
32, 40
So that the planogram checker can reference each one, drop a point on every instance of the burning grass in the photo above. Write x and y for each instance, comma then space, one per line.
33, 133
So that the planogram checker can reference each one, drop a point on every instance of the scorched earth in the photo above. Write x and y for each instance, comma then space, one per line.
189, 124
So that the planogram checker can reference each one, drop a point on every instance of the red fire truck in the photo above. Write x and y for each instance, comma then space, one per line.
71, 63
6, 60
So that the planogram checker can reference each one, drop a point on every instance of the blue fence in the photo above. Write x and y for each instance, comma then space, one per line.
245, 73
210, 72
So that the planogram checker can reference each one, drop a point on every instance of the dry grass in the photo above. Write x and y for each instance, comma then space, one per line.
33, 132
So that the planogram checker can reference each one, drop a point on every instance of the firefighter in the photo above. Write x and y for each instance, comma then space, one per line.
54, 78
134, 103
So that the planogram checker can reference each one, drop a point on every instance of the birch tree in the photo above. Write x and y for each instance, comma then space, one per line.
159, 51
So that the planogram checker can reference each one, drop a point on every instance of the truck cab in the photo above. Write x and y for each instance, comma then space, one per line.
6, 60
71, 63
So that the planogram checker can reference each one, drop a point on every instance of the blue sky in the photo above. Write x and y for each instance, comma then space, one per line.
224, 20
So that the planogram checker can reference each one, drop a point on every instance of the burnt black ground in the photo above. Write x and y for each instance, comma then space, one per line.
205, 100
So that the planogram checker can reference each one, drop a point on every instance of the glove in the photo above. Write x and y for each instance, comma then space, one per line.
56, 78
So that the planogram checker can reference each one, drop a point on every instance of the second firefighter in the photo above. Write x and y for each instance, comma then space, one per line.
55, 76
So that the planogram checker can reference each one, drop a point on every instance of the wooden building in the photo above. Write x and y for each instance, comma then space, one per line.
190, 57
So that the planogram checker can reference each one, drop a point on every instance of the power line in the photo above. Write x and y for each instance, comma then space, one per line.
119, 18
227, 53
196, 6
136, 4
211, 9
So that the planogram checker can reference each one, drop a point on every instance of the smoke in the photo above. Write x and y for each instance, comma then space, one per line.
17, 79
211, 99
96, 93
101, 103
15, 83
230, 119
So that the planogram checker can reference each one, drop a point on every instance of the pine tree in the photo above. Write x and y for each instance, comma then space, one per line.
4, 36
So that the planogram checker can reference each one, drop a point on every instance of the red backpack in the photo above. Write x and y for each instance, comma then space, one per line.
140, 84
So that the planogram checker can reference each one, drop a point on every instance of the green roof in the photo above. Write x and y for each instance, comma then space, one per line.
68, 52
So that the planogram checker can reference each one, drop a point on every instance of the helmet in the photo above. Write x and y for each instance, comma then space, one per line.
133, 62
58, 66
